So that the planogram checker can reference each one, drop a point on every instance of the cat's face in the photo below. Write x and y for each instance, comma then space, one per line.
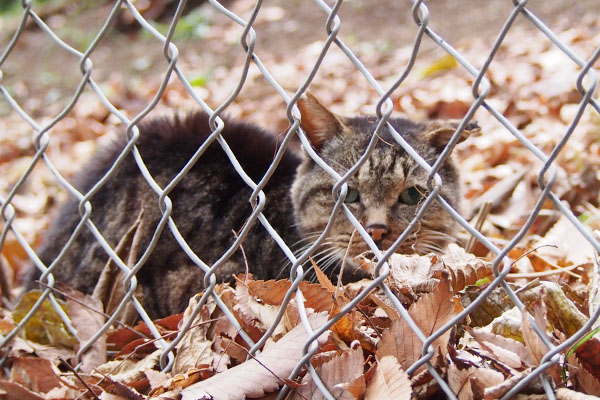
384, 194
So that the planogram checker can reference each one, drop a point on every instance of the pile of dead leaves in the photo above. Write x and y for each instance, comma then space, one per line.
369, 351
364, 354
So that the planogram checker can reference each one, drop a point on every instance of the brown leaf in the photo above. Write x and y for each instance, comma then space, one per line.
385, 304
195, 348
434, 310
469, 383
460, 382
192, 352
498, 390
498, 194
564, 245
173, 386
127, 371
323, 278
588, 355
86, 316
430, 312
126, 339
568, 394
401, 342
389, 381
14, 391
36, 374
586, 381
257, 376
259, 314
465, 269
156, 378
534, 343
411, 274
506, 350
342, 375
109, 287
119, 389
20, 347
272, 292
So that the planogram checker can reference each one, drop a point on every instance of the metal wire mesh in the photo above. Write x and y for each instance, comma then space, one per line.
585, 84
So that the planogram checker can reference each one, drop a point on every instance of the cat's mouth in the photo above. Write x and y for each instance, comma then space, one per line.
344, 253
423, 242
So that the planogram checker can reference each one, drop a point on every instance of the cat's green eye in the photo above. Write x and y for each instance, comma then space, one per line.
351, 196
411, 196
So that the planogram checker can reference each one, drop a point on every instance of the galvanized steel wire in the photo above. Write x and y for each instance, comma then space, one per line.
585, 84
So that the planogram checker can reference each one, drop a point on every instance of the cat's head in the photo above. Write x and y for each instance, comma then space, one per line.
385, 192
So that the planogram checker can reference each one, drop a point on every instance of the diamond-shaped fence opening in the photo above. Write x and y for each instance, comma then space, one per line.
224, 75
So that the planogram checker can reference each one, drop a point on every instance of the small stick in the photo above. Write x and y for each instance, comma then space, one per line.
339, 282
78, 377
67, 296
480, 219
4, 286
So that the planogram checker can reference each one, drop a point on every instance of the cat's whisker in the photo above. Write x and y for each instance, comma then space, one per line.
323, 253
327, 259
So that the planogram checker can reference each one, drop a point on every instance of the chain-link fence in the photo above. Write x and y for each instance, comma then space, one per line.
547, 176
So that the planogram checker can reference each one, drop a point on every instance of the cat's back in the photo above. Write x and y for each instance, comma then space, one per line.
210, 206
167, 143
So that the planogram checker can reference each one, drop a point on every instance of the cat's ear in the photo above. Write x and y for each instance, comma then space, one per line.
439, 132
318, 122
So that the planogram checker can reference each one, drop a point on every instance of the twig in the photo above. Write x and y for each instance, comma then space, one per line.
78, 377
558, 269
235, 235
369, 320
343, 266
481, 217
150, 341
67, 296
4, 286
284, 381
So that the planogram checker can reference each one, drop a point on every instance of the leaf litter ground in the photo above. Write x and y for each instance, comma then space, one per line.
366, 353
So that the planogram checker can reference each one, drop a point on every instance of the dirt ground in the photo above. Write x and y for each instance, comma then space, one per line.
41, 75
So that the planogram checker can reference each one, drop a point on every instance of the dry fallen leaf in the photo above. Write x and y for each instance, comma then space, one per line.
587, 381
506, 350
430, 312
260, 375
533, 86
14, 391
564, 245
86, 316
36, 374
272, 292
342, 375
127, 371
588, 355
46, 326
469, 383
389, 381
534, 343
195, 348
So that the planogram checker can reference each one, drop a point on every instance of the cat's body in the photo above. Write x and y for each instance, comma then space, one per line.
210, 204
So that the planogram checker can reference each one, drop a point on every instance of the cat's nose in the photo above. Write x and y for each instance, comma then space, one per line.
377, 232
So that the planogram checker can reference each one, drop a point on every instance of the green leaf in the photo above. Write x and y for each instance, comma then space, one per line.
45, 327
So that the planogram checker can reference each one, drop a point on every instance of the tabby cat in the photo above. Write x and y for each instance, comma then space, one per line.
210, 204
